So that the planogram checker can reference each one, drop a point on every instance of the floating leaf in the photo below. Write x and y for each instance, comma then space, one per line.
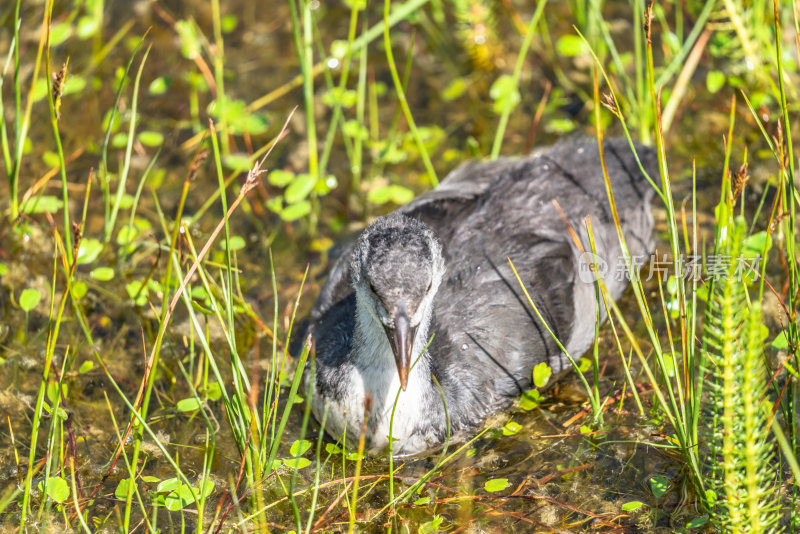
79, 289
190, 42
353, 455
179, 498
51, 159
119, 140
300, 187
90, 248
560, 125
228, 23
431, 526
505, 93
160, 85
571, 45
755, 245
541, 374
632, 506
280, 177
780, 342
43, 204
187, 405
299, 447
57, 489
584, 364
511, 428
296, 463
87, 26
53, 394
237, 162
214, 391
659, 486
236, 242
422, 500
714, 81
346, 98
206, 487
121, 492
85, 367
296, 211
530, 400
103, 274
29, 298
585, 429
355, 130
697, 522
332, 448
454, 89
168, 484
495, 484
150, 138
390, 193
59, 33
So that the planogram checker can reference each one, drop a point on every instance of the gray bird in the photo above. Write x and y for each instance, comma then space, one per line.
438, 268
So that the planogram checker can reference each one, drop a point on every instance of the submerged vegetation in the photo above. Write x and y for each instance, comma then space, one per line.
175, 178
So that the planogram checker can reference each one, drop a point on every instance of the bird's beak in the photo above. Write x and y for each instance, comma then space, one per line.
401, 337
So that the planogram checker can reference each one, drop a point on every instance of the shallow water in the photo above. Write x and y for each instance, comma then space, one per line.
559, 479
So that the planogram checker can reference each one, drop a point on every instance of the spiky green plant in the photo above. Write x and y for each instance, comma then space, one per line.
742, 494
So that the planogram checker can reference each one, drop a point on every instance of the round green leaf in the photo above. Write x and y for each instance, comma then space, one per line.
570, 45
228, 23
299, 447
530, 400
300, 187
496, 484
187, 405
511, 428
332, 448
168, 485
236, 242
714, 81
79, 289
296, 211
429, 527
659, 486
632, 506
90, 248
29, 298
57, 489
103, 274
296, 463
160, 85
121, 492
150, 138
214, 392
541, 374
280, 178
43, 204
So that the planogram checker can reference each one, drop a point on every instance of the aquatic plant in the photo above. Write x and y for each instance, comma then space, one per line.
742, 494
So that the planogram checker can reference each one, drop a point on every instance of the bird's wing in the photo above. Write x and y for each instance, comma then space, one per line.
456, 197
482, 318
487, 337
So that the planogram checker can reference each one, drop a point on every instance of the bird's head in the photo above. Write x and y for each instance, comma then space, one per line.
397, 266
